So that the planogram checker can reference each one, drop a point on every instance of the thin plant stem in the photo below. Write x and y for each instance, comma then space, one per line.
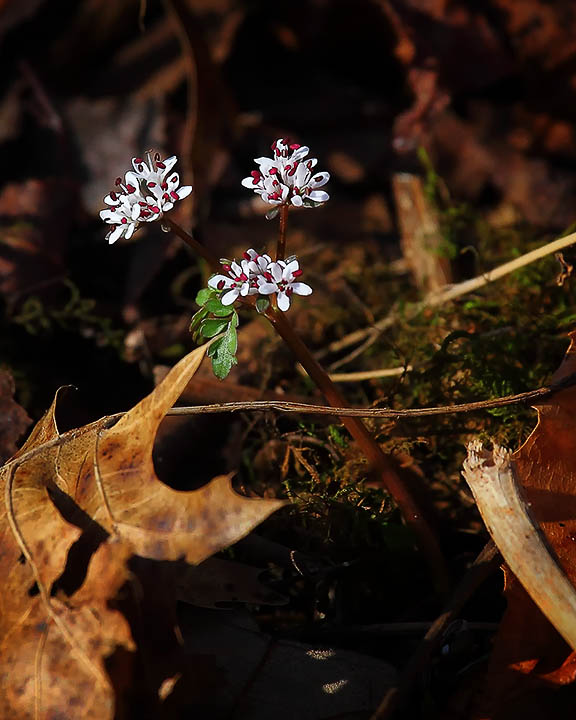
193, 243
281, 246
379, 463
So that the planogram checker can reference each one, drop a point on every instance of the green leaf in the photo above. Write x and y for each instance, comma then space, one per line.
211, 327
197, 319
213, 349
222, 363
215, 306
262, 304
223, 351
231, 337
204, 296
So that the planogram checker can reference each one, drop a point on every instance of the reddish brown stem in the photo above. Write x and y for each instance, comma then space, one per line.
193, 243
377, 460
281, 246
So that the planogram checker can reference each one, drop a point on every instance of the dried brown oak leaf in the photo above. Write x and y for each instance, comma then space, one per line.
532, 670
56, 626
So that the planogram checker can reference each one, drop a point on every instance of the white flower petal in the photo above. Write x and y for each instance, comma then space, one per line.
131, 228
296, 200
319, 180
169, 162
115, 234
217, 279
236, 269
184, 191
319, 196
299, 154
302, 176
301, 288
289, 270
265, 164
267, 288
283, 301
107, 214
276, 271
230, 297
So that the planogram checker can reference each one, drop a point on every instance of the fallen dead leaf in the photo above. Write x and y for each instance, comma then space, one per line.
76, 507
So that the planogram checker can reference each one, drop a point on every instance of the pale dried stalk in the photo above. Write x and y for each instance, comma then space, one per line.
490, 476
364, 374
452, 292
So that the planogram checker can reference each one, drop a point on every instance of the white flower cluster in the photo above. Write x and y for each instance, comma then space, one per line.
288, 177
146, 193
257, 274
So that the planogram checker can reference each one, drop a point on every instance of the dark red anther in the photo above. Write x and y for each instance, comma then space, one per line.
268, 276
297, 273
130, 188
317, 178
309, 164
143, 204
118, 181
124, 221
273, 171
164, 186
151, 184
246, 256
289, 291
275, 183
174, 195
155, 209
165, 196
293, 169
138, 161
273, 146
296, 190
221, 285
161, 165
113, 195
295, 146
226, 268
243, 277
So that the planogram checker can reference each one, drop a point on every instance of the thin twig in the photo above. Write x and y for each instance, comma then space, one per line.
293, 407
451, 293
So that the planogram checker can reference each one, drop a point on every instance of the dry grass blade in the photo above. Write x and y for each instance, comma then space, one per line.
490, 476
451, 292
